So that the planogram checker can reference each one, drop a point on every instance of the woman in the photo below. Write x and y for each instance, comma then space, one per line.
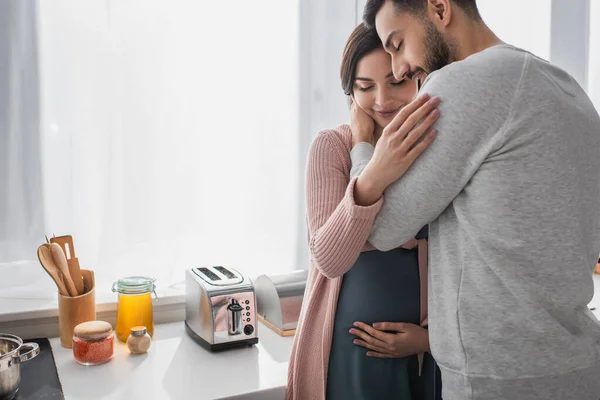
337, 353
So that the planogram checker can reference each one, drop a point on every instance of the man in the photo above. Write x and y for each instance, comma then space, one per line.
511, 187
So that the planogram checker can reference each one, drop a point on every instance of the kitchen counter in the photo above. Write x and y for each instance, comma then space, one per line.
177, 368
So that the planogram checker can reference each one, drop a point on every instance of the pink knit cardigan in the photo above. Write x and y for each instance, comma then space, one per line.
338, 231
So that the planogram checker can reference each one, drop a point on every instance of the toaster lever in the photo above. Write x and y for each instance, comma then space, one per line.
235, 317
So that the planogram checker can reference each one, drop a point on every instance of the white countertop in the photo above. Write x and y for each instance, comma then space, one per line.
177, 368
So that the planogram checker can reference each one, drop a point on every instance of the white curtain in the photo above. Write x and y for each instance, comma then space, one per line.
21, 198
169, 134
525, 24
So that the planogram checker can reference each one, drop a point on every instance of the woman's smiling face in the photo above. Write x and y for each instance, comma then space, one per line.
376, 90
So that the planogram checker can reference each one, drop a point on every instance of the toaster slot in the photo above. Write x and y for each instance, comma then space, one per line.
226, 272
209, 274
219, 276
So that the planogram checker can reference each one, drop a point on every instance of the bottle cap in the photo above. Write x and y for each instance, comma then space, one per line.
138, 330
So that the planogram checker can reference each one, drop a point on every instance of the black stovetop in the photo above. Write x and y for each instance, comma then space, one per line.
39, 378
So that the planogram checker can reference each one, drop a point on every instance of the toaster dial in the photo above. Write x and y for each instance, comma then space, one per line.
248, 330
235, 317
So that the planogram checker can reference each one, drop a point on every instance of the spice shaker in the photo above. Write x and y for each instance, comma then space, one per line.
138, 341
93, 342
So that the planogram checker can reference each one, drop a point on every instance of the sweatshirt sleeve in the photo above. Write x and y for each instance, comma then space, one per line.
470, 127
338, 228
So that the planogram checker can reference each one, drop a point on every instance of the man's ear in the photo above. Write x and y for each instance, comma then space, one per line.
440, 10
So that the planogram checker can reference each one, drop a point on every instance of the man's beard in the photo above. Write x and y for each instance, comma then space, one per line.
438, 52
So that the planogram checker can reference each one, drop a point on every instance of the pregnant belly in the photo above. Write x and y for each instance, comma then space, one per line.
381, 286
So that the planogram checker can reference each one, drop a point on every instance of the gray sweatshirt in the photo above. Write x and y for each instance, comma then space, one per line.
511, 188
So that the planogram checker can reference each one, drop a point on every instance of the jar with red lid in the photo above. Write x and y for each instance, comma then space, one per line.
93, 342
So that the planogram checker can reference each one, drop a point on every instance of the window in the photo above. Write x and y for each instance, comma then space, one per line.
169, 135
525, 24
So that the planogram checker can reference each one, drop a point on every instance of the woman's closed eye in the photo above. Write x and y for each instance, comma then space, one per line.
365, 89
399, 83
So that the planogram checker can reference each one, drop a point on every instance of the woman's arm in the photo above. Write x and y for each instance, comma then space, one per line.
338, 228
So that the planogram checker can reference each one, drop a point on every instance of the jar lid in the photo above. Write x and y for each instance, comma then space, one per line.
134, 285
93, 330
139, 330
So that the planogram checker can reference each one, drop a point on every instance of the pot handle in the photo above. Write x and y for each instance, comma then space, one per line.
35, 350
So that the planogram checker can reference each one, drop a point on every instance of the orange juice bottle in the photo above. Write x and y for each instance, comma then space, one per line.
135, 305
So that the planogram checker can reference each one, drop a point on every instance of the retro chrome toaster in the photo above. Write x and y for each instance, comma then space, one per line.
220, 308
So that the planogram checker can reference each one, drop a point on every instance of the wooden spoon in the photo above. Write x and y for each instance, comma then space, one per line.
60, 260
45, 257
66, 243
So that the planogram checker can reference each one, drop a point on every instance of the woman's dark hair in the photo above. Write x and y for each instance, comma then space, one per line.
361, 42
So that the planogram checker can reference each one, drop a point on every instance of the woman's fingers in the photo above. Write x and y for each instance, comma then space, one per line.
405, 113
420, 147
384, 337
417, 118
370, 346
377, 354
416, 134
368, 338
391, 326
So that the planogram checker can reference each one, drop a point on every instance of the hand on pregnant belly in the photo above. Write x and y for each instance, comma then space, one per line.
391, 339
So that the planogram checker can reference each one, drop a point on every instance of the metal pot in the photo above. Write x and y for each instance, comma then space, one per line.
12, 353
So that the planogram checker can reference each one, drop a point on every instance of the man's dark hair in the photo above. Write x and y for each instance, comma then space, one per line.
415, 7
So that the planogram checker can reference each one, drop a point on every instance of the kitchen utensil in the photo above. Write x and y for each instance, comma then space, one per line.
60, 261
220, 308
12, 353
75, 272
45, 257
66, 242
72, 311
279, 300
135, 305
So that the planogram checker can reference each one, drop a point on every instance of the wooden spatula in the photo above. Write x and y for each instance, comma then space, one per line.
66, 243
60, 260
45, 257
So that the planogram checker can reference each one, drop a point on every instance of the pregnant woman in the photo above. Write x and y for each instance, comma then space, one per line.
362, 330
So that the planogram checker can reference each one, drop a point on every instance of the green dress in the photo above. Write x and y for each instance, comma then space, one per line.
381, 286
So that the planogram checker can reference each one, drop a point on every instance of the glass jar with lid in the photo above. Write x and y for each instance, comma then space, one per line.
135, 305
93, 342
139, 341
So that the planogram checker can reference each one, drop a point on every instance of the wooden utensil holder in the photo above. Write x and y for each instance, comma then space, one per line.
74, 310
